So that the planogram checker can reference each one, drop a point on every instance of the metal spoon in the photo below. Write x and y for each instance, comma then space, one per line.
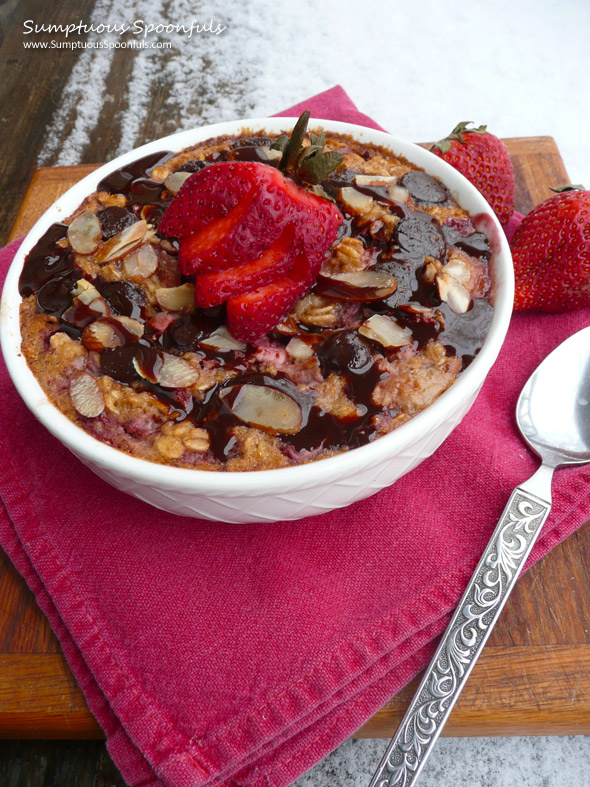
553, 415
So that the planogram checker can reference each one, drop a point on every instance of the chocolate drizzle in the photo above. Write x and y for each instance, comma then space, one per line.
123, 297
381, 194
129, 180
114, 220
147, 197
187, 331
420, 235
48, 260
424, 188
252, 149
50, 274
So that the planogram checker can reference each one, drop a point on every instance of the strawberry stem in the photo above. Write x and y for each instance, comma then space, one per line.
295, 141
457, 134
311, 163
570, 187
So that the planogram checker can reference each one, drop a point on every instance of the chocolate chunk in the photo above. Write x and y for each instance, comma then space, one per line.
249, 153
120, 181
420, 235
187, 331
192, 166
424, 188
476, 244
118, 364
46, 260
131, 362
114, 220
345, 351
55, 296
123, 298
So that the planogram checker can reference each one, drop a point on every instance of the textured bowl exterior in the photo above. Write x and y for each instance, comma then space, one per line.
295, 502
285, 493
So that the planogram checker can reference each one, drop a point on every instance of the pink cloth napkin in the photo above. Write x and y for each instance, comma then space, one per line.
217, 654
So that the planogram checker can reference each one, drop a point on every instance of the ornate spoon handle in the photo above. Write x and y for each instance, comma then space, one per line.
467, 633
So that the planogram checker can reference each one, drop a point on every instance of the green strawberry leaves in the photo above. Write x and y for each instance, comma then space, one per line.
295, 142
444, 145
570, 187
309, 162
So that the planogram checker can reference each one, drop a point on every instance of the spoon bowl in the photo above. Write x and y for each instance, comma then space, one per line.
553, 410
553, 415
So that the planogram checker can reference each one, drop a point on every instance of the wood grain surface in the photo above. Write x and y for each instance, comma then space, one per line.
533, 678
31, 84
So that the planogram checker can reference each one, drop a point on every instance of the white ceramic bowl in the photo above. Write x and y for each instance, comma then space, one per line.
285, 493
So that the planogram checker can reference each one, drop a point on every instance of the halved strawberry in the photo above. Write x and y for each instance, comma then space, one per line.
255, 313
304, 270
247, 237
208, 194
317, 220
208, 248
256, 220
215, 287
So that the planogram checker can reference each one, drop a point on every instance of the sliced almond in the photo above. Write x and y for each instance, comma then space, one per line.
287, 326
395, 192
85, 292
449, 283
264, 407
374, 180
458, 297
367, 285
81, 285
355, 200
124, 242
174, 299
430, 272
175, 181
442, 286
147, 362
398, 193
416, 308
141, 263
453, 293
221, 339
100, 307
272, 154
299, 350
168, 245
86, 396
86, 307
84, 233
386, 331
457, 268
134, 327
99, 336
423, 314
176, 372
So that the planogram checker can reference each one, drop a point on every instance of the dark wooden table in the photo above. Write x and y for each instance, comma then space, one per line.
32, 83
31, 86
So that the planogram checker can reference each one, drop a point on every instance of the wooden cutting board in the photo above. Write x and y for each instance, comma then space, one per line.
533, 677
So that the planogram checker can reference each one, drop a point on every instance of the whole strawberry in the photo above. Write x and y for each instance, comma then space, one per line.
483, 159
551, 253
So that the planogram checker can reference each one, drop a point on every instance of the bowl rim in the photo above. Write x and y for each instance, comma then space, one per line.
293, 477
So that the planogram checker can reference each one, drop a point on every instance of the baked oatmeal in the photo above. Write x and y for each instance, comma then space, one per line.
183, 318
